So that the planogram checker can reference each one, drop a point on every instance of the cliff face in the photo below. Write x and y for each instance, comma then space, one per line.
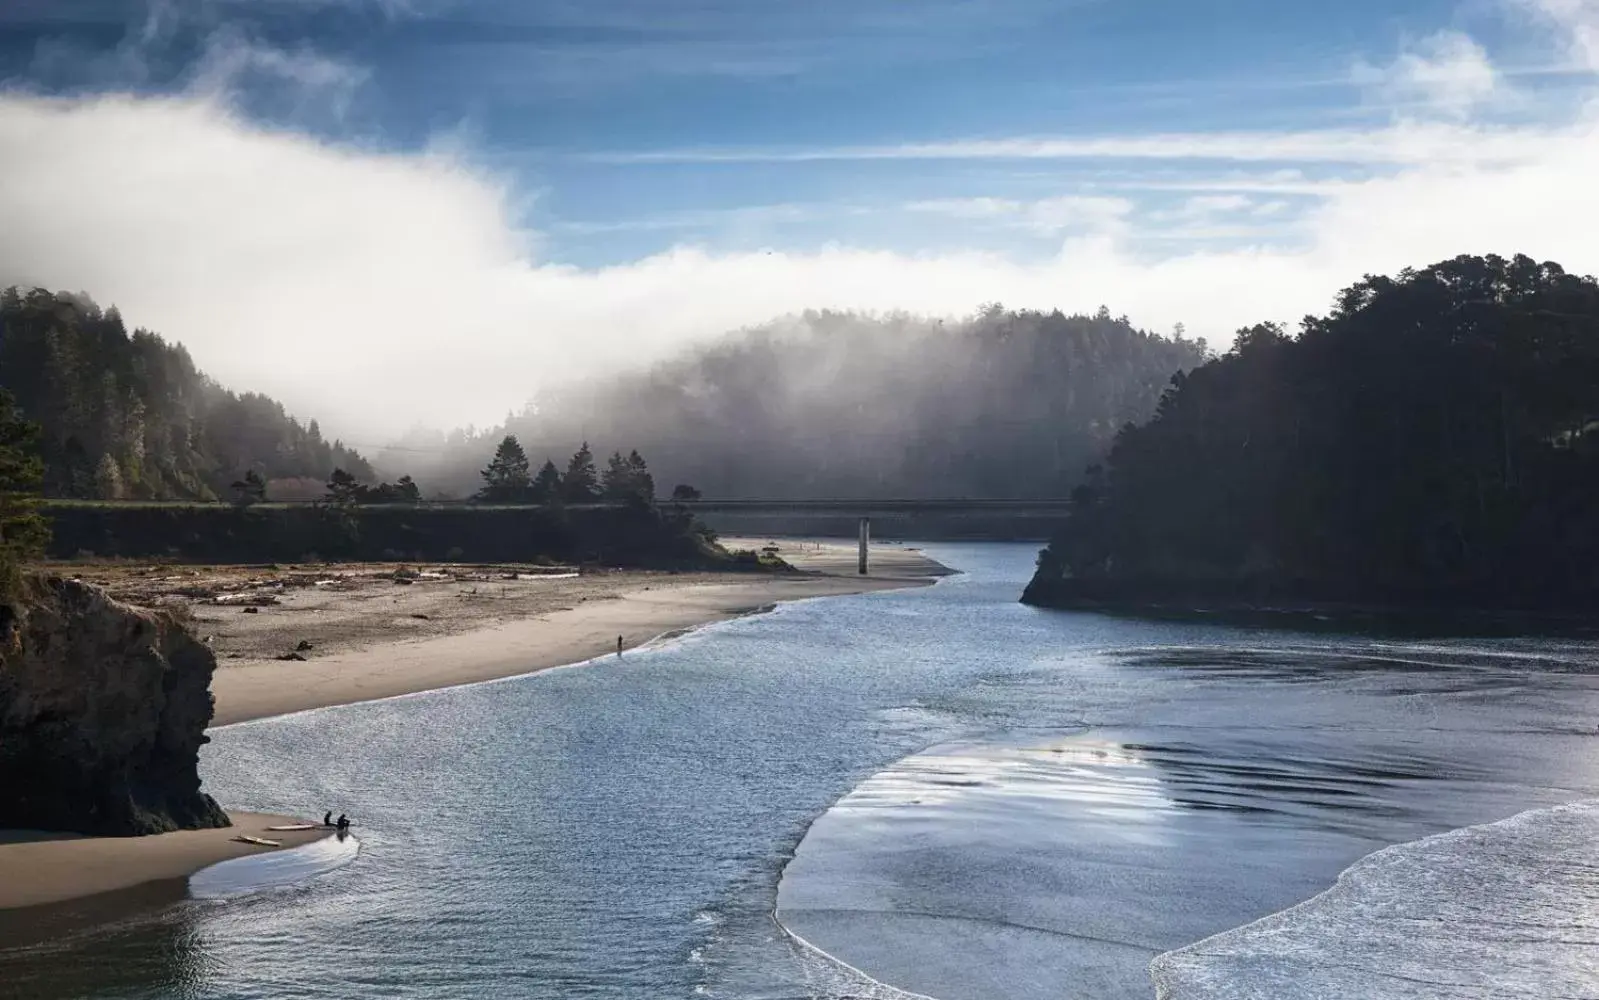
103, 709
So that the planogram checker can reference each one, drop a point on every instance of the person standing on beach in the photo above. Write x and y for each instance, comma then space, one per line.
618, 645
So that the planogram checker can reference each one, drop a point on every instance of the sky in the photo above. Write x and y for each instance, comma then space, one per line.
398, 212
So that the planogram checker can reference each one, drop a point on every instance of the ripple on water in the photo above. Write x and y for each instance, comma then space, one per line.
619, 832
1505, 910
1060, 865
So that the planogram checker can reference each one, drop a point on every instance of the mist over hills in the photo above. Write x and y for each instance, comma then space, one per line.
834, 404
824, 404
129, 416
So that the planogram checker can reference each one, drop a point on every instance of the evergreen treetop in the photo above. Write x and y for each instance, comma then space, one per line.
507, 479
23, 533
581, 484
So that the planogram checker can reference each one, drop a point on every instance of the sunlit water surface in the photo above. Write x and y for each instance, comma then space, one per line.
935, 792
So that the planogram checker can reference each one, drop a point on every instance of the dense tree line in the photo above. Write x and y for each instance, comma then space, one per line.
1433, 437
22, 530
1004, 404
127, 415
508, 478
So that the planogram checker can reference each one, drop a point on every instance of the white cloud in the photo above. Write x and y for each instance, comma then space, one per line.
1401, 144
1076, 213
382, 289
968, 208
1447, 72
232, 59
1216, 204
1578, 23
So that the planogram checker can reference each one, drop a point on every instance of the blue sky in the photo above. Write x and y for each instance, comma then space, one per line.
546, 91
631, 175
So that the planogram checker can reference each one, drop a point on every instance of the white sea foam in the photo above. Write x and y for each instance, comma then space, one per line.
1505, 910
274, 870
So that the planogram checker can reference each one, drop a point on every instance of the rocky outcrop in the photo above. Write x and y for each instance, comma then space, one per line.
103, 710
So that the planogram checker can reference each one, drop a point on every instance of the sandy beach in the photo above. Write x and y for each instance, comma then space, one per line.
38, 868
295, 638
479, 632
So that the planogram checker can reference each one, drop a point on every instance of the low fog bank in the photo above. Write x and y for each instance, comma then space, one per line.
828, 404
382, 289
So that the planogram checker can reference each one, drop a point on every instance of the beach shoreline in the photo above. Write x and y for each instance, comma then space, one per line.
539, 624
639, 613
38, 869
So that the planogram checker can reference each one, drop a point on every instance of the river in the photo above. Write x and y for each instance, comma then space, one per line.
933, 792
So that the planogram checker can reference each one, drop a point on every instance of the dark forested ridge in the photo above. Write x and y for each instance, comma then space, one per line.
1434, 438
127, 415
1006, 404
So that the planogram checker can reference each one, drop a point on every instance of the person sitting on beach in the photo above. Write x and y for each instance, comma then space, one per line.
327, 818
344, 822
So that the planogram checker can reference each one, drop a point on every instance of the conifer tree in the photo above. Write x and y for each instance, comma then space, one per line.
343, 490
616, 483
643, 484
581, 483
506, 479
547, 484
23, 533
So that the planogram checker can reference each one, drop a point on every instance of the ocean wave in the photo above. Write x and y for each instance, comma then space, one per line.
1503, 910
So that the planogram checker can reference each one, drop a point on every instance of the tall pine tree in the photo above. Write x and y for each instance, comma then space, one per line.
581, 484
616, 483
639, 474
507, 479
547, 484
23, 533
628, 479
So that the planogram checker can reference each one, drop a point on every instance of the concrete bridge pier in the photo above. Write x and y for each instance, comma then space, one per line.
866, 536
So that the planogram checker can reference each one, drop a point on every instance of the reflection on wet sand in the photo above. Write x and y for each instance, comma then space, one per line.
145, 941
1092, 849
1302, 662
134, 943
1061, 846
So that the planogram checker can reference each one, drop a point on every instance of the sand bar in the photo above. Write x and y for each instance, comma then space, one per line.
369, 637
642, 608
38, 868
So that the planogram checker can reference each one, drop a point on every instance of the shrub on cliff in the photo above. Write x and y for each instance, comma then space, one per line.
22, 531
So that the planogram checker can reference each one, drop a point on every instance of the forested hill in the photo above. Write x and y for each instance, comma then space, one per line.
1005, 404
1434, 438
130, 416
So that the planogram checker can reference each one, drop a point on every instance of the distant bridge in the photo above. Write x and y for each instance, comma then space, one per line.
929, 519
865, 506
868, 507
920, 519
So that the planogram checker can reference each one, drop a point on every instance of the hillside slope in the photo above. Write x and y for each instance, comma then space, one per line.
1005, 404
127, 415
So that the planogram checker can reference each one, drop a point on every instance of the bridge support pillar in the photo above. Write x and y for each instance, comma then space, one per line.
866, 536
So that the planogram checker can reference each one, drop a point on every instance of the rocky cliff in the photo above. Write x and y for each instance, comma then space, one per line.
103, 709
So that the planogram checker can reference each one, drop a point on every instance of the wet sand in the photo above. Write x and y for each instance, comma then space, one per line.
38, 868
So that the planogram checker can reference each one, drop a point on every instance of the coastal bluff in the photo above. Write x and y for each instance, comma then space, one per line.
103, 710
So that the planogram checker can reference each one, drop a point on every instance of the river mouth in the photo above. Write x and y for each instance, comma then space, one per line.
948, 792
